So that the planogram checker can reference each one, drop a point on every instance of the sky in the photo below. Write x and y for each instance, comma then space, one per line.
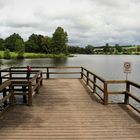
87, 22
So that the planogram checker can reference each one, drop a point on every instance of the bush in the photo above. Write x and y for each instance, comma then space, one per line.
20, 55
7, 54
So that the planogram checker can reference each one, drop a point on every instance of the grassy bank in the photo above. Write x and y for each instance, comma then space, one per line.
35, 55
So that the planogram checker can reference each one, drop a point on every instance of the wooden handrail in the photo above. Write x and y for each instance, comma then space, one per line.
6, 96
92, 80
5, 84
22, 82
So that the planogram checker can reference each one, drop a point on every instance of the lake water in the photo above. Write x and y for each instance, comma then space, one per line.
106, 66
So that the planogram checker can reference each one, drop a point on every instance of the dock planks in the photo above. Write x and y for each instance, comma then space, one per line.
64, 110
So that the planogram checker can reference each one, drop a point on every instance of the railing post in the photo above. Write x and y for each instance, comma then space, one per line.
94, 82
24, 96
105, 94
47, 76
0, 78
37, 89
82, 72
4, 94
10, 73
87, 77
126, 99
41, 76
30, 94
12, 98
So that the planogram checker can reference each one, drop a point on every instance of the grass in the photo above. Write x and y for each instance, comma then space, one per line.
35, 55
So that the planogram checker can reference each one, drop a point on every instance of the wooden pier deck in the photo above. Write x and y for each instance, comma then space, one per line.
64, 110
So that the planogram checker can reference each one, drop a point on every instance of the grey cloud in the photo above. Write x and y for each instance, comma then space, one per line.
86, 21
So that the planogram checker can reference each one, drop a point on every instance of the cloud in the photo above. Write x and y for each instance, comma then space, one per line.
86, 21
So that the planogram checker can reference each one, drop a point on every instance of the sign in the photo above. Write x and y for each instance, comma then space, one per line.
127, 67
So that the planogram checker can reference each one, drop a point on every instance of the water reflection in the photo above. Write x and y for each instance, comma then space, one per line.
60, 61
106, 66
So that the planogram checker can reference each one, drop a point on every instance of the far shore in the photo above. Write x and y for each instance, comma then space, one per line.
14, 55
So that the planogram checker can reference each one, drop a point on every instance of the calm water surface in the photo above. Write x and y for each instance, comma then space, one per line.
106, 66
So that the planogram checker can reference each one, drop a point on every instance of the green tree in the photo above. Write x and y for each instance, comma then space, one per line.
89, 49
118, 48
59, 41
7, 54
46, 44
37, 43
14, 42
1, 44
106, 48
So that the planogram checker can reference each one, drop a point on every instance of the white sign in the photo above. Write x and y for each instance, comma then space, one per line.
127, 67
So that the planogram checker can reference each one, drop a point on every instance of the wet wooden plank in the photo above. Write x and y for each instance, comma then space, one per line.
65, 109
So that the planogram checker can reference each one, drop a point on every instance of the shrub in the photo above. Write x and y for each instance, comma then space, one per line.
20, 55
7, 54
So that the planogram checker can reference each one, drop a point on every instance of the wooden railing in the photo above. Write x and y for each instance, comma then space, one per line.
129, 94
7, 98
18, 84
96, 84
47, 72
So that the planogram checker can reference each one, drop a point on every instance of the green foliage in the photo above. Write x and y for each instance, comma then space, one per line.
118, 48
1, 44
41, 55
7, 54
78, 50
38, 43
106, 48
89, 49
59, 41
20, 55
14, 43
34, 43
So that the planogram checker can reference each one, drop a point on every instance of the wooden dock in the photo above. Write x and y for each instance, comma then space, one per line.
65, 109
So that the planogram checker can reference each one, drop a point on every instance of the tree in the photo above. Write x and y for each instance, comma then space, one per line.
59, 41
14, 42
106, 48
46, 44
89, 49
37, 43
1, 44
118, 48
7, 54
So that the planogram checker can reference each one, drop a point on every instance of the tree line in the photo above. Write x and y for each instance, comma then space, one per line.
106, 49
37, 43
57, 44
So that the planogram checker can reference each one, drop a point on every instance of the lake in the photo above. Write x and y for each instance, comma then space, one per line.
106, 66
